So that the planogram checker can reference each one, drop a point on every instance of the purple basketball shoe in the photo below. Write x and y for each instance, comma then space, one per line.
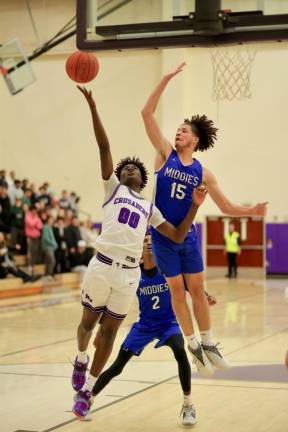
79, 374
83, 402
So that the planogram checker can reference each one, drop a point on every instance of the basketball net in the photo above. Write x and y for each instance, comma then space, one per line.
232, 71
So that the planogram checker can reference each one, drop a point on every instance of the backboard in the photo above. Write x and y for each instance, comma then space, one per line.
125, 24
15, 67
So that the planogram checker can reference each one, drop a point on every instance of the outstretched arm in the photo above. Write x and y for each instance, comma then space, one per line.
226, 206
161, 144
101, 137
178, 234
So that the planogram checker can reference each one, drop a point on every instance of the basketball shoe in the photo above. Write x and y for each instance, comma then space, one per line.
201, 361
188, 415
215, 357
79, 374
83, 402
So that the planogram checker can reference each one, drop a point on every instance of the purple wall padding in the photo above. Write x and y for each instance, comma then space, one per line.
277, 247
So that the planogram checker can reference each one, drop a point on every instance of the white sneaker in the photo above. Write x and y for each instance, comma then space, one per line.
188, 415
201, 361
215, 357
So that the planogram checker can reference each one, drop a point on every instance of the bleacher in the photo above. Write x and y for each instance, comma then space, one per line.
14, 287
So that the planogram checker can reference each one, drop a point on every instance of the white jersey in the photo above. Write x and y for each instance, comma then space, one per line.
125, 220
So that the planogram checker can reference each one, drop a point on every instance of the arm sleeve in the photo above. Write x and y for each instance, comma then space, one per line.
110, 186
156, 217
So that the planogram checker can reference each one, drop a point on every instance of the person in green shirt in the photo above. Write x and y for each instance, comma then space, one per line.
49, 245
232, 249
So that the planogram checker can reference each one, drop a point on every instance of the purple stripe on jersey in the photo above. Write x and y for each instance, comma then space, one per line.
104, 259
134, 194
114, 314
112, 196
150, 212
96, 309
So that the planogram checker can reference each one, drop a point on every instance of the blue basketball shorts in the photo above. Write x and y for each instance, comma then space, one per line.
174, 259
141, 335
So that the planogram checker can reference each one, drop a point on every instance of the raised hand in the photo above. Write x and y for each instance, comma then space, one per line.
175, 71
260, 209
88, 96
199, 194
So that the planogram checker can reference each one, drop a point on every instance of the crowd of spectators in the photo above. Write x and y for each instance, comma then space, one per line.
46, 228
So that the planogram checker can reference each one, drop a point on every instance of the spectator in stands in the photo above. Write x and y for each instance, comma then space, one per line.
33, 228
7, 265
68, 216
5, 207
3, 181
25, 183
88, 233
74, 200
44, 197
80, 259
17, 217
34, 194
73, 235
49, 246
11, 179
61, 253
27, 197
64, 201
15, 191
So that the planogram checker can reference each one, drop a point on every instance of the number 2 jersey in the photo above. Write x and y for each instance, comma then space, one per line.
125, 219
174, 184
154, 301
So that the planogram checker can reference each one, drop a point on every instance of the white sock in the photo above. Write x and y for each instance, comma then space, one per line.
82, 356
89, 384
187, 399
206, 337
192, 341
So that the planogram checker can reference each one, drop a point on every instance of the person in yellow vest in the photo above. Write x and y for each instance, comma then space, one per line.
232, 249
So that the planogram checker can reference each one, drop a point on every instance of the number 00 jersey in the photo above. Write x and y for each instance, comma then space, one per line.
125, 220
174, 184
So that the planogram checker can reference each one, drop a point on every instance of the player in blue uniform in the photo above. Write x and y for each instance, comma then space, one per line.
156, 321
177, 174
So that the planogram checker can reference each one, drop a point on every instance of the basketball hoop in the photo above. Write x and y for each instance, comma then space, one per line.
232, 71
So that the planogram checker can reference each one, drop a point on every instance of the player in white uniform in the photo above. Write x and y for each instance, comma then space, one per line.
113, 274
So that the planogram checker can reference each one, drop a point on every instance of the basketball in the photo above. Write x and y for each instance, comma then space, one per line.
82, 67
286, 359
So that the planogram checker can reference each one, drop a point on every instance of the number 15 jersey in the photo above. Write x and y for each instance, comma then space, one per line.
174, 184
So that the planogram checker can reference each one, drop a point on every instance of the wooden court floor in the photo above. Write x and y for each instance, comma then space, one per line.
250, 320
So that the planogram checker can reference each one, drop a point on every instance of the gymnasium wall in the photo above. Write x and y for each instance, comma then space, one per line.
46, 132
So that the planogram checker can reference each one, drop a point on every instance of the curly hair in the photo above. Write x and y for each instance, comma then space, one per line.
133, 161
204, 129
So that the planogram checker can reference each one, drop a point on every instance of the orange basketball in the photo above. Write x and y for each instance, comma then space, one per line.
82, 67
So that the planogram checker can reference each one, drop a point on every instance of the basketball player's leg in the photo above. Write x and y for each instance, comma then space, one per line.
179, 303
117, 306
133, 345
95, 291
84, 332
114, 370
176, 343
195, 286
105, 341
169, 262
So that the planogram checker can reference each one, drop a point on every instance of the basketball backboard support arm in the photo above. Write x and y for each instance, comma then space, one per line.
207, 26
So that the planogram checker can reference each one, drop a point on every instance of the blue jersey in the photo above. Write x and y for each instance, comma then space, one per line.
154, 300
174, 185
